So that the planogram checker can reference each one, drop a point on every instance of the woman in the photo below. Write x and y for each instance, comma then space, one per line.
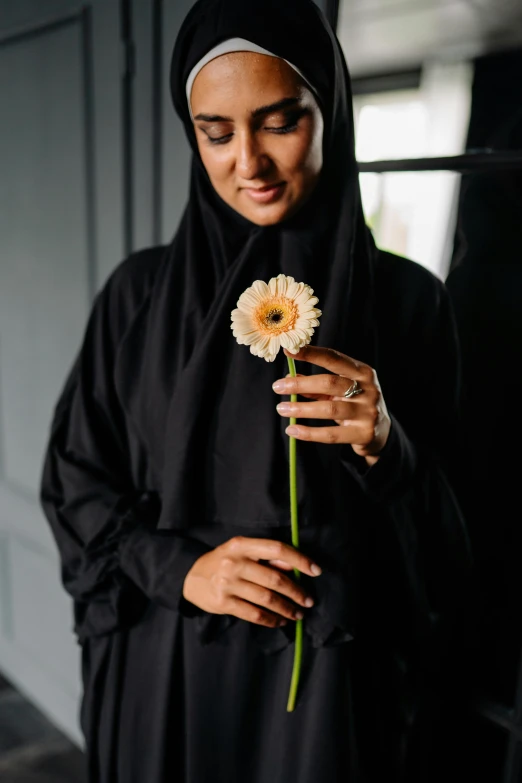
165, 480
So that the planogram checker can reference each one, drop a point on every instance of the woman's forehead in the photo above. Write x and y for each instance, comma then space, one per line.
247, 77
244, 68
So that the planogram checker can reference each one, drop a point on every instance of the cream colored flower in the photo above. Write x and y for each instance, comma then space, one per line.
276, 314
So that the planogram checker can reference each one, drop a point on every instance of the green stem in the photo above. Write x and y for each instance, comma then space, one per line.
295, 542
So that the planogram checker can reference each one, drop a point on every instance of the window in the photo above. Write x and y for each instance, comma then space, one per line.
413, 214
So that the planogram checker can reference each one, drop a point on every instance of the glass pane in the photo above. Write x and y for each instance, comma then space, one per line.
412, 214
397, 36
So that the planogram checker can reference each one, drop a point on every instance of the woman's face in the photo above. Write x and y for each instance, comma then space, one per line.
259, 131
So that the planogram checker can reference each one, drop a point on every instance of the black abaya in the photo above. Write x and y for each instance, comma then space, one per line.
174, 694
165, 443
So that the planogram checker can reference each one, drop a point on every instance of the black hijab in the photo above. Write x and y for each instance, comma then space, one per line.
216, 442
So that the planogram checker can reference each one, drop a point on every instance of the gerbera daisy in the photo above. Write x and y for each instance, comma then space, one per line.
274, 314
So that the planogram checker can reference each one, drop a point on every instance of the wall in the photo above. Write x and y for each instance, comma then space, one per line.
61, 201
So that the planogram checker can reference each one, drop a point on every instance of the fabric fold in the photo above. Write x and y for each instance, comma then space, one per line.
392, 473
319, 627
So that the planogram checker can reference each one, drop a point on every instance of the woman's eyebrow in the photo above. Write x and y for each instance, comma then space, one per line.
285, 103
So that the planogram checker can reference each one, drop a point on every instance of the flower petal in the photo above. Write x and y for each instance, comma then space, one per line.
260, 288
293, 289
303, 334
242, 320
275, 344
249, 299
285, 339
304, 297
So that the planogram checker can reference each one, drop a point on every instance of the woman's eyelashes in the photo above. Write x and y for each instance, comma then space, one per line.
291, 126
225, 139
219, 139
283, 128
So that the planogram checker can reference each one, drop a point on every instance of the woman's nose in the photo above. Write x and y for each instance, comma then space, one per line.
251, 161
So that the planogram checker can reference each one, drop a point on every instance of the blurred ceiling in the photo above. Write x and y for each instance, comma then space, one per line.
389, 35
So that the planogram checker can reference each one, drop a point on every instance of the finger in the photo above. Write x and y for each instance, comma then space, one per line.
254, 614
348, 432
329, 409
327, 385
281, 564
267, 599
309, 396
273, 579
335, 361
269, 549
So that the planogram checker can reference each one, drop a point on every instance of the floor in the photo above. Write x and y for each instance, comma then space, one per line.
32, 750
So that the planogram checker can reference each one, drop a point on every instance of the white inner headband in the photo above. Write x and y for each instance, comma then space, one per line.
232, 45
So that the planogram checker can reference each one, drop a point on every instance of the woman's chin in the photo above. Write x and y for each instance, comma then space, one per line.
267, 214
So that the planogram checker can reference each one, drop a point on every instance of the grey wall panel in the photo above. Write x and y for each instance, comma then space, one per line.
61, 233
19, 14
6, 604
107, 63
176, 150
43, 237
42, 614
143, 120
21, 518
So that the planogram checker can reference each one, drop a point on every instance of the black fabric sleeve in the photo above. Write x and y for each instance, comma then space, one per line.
394, 469
113, 560
425, 413
417, 532
415, 572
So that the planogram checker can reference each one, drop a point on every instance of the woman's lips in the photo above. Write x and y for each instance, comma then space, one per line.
265, 195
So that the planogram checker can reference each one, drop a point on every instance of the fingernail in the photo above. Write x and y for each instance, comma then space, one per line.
309, 602
279, 386
316, 570
283, 407
283, 622
299, 615
292, 431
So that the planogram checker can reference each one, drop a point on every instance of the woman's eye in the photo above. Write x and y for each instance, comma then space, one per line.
220, 139
284, 128
288, 128
292, 122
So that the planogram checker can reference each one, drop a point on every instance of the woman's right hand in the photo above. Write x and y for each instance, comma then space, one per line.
231, 580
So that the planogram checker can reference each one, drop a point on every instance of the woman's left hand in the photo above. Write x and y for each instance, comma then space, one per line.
363, 420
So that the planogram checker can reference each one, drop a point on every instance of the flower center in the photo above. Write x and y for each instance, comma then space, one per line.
275, 316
